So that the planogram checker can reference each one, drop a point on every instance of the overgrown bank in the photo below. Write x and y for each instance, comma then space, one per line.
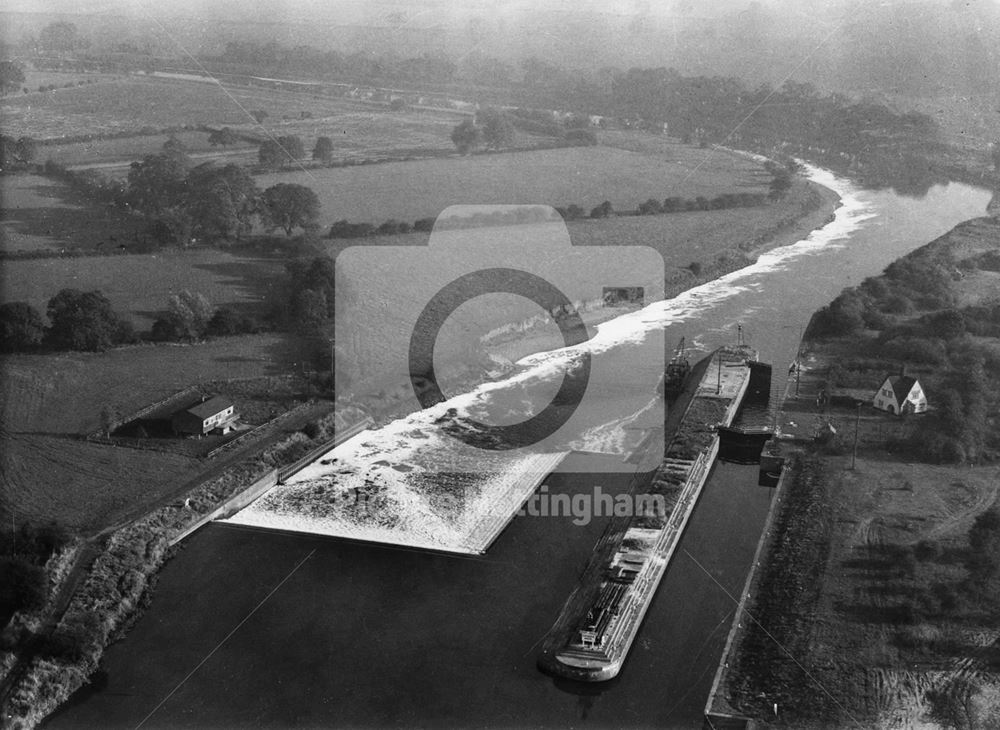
876, 604
116, 587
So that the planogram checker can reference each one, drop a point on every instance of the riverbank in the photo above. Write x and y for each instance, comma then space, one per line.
115, 575
868, 606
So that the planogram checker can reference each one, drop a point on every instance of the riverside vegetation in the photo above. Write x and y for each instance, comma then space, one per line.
878, 598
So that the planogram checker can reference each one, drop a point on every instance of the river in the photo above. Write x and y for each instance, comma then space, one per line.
253, 628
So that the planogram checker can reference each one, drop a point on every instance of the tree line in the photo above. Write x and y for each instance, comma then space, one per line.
916, 318
79, 320
183, 202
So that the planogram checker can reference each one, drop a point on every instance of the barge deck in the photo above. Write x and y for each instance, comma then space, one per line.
595, 630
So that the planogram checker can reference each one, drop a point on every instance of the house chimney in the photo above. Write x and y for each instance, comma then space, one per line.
902, 370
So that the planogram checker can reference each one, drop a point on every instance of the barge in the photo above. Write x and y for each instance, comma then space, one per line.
595, 630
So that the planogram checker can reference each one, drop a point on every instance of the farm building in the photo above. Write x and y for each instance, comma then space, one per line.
214, 414
900, 394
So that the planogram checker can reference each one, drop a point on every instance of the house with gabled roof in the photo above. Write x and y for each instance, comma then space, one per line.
900, 394
212, 414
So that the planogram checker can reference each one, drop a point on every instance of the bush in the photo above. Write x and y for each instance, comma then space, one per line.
392, 227
346, 229
425, 225
23, 585
582, 137
602, 211
896, 304
650, 207
916, 350
674, 205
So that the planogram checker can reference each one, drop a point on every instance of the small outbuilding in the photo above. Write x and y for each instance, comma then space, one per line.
900, 394
213, 414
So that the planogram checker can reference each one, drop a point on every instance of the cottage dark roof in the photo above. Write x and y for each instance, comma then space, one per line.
213, 405
901, 386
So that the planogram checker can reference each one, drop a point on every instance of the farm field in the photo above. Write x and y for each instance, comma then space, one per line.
81, 484
585, 176
64, 393
142, 101
580, 272
46, 401
43, 214
129, 148
139, 285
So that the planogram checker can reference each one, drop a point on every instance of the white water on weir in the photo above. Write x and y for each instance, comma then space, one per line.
410, 483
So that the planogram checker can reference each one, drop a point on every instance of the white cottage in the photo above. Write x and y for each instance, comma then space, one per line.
900, 394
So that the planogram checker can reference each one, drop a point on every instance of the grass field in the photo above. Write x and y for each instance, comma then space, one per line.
81, 484
129, 148
383, 300
64, 393
585, 176
43, 214
138, 101
33, 79
139, 285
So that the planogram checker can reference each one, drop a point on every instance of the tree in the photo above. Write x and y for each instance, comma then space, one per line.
221, 201
60, 37
498, 131
26, 149
780, 183
946, 324
11, 76
17, 152
466, 136
318, 275
22, 585
174, 146
110, 418
157, 188
270, 155
85, 321
224, 137
984, 542
292, 146
288, 206
158, 183
995, 154
309, 308
21, 327
276, 153
323, 151
602, 211
188, 315
225, 321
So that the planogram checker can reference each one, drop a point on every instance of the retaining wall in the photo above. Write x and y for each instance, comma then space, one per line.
233, 504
